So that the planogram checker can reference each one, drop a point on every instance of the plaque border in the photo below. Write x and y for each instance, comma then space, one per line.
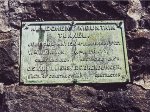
128, 79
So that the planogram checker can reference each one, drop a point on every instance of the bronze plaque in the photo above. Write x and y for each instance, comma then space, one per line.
55, 52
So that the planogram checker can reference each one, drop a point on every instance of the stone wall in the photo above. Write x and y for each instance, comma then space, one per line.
133, 97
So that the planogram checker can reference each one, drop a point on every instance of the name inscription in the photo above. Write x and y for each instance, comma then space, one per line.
73, 52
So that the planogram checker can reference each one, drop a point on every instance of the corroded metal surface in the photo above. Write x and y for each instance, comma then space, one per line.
73, 51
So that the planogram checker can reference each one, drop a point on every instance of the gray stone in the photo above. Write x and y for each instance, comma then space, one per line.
65, 99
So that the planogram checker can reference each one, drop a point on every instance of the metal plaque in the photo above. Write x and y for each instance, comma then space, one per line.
54, 52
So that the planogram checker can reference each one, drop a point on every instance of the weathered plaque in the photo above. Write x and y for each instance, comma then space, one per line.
73, 52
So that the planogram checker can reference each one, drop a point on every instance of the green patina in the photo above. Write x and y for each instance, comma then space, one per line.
89, 52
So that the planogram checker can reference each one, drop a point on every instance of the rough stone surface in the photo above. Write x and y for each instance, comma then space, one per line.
134, 97
75, 99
